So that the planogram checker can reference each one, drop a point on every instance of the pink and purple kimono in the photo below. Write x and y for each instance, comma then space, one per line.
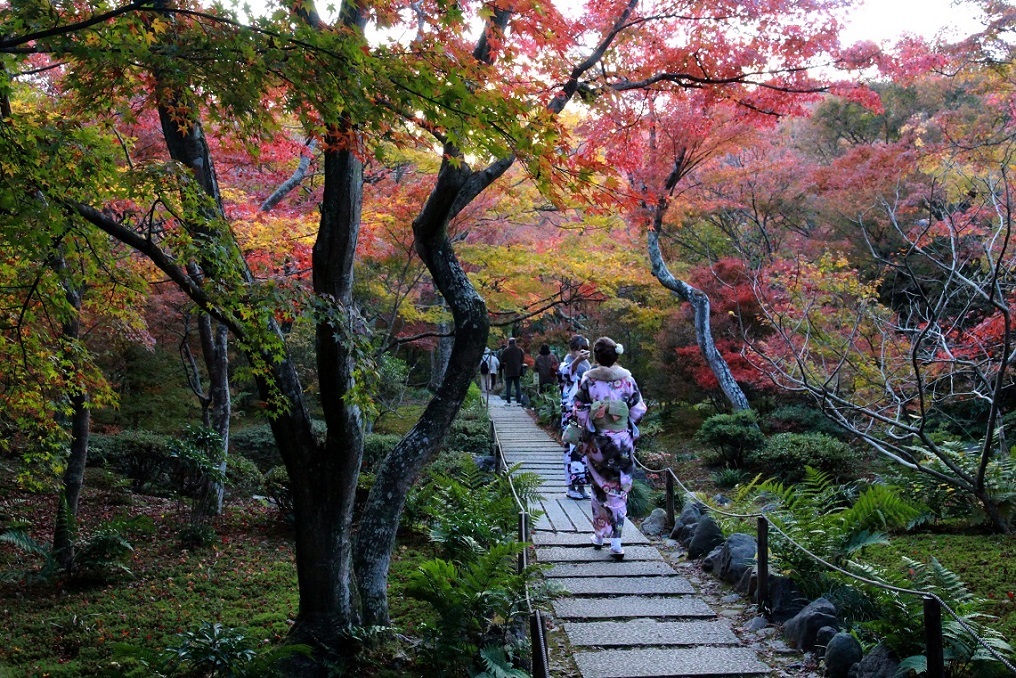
607, 405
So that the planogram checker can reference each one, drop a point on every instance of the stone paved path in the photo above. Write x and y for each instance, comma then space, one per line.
633, 618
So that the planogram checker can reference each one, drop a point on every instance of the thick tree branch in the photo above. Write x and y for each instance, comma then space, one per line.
7, 44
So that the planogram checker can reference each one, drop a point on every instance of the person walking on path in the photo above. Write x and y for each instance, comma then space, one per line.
512, 360
546, 367
607, 406
569, 373
489, 366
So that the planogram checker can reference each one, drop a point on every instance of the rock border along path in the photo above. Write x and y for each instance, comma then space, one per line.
633, 618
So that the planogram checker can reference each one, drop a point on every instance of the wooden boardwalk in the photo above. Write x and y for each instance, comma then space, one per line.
623, 619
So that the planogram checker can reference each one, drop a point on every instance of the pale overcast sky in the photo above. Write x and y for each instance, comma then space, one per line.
880, 20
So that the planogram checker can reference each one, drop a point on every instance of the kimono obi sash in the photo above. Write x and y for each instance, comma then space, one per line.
615, 415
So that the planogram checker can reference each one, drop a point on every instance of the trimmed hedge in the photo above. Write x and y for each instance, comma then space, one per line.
257, 443
730, 438
243, 478
785, 455
142, 456
799, 419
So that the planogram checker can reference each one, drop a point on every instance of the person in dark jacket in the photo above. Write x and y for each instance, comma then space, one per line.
512, 360
546, 367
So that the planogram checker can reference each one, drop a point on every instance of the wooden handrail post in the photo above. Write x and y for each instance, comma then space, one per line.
762, 562
541, 663
934, 649
670, 499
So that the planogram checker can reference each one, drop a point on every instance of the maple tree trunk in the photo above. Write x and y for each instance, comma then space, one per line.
456, 186
215, 350
292, 182
73, 481
399, 470
74, 475
703, 331
999, 523
441, 355
322, 476
188, 146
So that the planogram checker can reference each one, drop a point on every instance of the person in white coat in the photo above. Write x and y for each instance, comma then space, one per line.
489, 366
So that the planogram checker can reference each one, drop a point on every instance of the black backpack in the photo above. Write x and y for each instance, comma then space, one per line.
484, 366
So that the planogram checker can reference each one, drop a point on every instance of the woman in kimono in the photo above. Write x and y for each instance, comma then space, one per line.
569, 374
607, 405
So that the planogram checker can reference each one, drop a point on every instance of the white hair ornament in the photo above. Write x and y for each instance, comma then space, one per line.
619, 348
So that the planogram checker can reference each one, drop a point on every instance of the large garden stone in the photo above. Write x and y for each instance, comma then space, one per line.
747, 585
879, 663
737, 557
708, 536
712, 561
690, 513
785, 599
655, 524
824, 635
800, 631
685, 533
842, 652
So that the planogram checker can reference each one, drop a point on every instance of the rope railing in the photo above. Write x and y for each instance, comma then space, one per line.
933, 604
541, 657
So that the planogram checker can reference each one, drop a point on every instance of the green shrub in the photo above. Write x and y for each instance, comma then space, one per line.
547, 406
257, 443
729, 438
799, 419
142, 456
116, 487
728, 477
474, 589
195, 460
243, 476
276, 488
786, 455
215, 651
376, 447
102, 555
640, 500
478, 603
469, 435
474, 398
470, 509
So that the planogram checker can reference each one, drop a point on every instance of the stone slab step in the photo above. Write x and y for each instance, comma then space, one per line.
635, 568
638, 632
664, 663
563, 554
630, 586
581, 539
632, 606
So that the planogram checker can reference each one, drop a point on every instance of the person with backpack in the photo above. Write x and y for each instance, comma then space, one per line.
607, 406
489, 365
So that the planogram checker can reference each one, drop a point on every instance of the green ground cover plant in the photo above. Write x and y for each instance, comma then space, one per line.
244, 581
985, 562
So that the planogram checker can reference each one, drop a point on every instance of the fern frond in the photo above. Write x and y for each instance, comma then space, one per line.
497, 664
864, 539
20, 539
